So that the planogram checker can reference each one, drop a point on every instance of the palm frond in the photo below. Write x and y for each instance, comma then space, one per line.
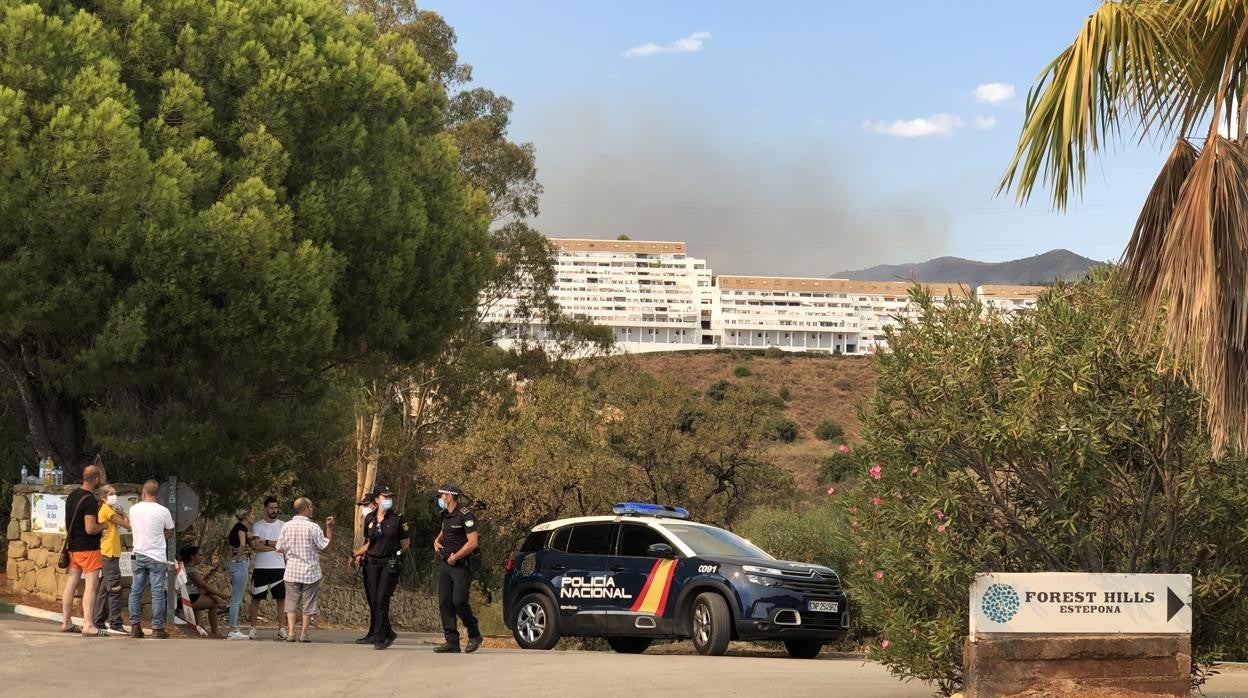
1124, 64
1143, 257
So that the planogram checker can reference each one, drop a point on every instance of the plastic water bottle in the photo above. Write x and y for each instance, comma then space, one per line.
25, 475
57, 474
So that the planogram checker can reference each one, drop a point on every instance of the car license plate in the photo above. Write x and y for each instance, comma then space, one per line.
822, 606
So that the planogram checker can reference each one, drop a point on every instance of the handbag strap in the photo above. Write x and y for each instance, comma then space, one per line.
69, 527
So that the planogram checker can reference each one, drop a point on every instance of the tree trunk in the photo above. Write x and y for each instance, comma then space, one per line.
54, 420
368, 421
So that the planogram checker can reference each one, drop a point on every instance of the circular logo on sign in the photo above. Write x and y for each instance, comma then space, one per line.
1000, 603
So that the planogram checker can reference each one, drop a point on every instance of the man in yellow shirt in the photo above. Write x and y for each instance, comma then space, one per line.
111, 604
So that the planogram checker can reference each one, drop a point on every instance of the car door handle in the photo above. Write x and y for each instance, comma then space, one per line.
617, 568
558, 568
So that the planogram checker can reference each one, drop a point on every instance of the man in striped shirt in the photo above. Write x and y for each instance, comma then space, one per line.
302, 541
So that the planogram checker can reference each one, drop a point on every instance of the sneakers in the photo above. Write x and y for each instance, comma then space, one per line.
237, 634
282, 634
136, 631
473, 644
446, 648
117, 630
385, 643
160, 634
366, 640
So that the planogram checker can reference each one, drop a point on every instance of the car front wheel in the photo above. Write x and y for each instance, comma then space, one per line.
711, 624
534, 627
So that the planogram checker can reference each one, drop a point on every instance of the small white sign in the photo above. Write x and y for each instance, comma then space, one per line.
126, 564
1076, 602
47, 513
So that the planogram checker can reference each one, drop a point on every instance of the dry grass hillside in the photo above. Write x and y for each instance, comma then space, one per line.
820, 388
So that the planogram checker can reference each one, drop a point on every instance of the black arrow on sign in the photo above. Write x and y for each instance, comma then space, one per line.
1173, 604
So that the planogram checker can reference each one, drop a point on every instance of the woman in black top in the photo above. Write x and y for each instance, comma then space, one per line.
240, 560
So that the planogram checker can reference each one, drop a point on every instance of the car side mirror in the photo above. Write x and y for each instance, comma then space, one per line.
660, 550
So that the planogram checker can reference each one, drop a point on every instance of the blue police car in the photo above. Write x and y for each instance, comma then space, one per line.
649, 572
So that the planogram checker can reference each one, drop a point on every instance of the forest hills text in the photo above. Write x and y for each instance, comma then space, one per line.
1089, 601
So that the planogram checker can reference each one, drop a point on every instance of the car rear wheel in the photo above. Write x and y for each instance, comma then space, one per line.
711, 624
629, 645
803, 649
534, 627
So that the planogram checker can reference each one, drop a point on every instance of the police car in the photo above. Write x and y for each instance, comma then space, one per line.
649, 572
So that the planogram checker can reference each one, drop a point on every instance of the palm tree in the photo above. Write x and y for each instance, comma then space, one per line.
1175, 69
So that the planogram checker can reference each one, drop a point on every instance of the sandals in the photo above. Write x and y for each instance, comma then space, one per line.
304, 639
291, 638
97, 633
72, 629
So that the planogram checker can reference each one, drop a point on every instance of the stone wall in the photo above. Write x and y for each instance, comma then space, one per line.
30, 564
1109, 666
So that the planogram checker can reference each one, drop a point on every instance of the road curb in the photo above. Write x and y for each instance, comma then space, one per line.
18, 609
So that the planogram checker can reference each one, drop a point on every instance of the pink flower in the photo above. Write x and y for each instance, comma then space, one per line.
853, 509
831, 490
876, 472
842, 449
915, 470
939, 514
875, 501
884, 645
879, 574
940, 528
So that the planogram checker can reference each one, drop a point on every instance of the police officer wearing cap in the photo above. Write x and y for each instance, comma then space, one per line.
368, 504
385, 542
455, 545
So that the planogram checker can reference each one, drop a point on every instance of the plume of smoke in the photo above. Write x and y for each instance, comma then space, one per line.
747, 208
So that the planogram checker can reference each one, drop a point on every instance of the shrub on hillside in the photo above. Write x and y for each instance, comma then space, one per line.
784, 393
774, 353
829, 430
717, 390
843, 384
741, 371
838, 467
782, 429
1048, 441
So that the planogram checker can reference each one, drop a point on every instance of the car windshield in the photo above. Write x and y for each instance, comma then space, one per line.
706, 540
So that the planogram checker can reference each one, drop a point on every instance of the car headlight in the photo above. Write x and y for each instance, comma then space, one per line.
763, 581
762, 570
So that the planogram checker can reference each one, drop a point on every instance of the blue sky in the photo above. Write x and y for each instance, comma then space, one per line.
801, 138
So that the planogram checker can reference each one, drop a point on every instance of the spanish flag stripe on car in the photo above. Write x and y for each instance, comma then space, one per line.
653, 596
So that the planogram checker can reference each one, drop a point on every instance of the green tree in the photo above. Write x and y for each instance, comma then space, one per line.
1174, 69
1041, 442
203, 207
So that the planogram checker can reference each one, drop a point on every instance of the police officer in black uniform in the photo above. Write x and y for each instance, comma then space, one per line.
367, 505
385, 543
455, 545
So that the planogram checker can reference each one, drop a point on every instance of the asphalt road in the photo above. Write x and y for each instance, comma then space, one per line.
36, 660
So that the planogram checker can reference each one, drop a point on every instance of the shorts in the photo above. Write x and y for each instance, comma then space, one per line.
86, 560
266, 581
303, 597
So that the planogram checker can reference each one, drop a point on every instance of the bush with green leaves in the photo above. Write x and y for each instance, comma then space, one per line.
741, 371
784, 394
782, 429
774, 353
718, 390
840, 466
829, 430
800, 535
1046, 441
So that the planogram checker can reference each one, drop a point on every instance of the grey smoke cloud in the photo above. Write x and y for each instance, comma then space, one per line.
748, 209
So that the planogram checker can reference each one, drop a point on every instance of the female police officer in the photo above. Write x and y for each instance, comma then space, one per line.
385, 542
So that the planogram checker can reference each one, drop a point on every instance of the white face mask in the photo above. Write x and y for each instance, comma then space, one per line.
365, 511
387, 504
111, 499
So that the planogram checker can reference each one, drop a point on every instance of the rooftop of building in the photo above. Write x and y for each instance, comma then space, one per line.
1001, 291
639, 246
797, 283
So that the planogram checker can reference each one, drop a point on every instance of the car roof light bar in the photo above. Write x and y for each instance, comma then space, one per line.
647, 509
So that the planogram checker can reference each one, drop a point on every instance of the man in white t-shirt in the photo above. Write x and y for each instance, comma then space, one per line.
266, 579
151, 526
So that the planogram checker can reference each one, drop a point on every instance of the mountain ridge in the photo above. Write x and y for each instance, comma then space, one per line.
1037, 270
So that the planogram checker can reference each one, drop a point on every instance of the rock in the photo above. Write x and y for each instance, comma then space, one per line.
25, 567
21, 506
45, 582
53, 541
24, 525
27, 582
39, 556
10, 571
32, 540
15, 530
17, 549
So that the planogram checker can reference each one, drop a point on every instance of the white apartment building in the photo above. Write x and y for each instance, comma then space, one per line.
657, 298
811, 314
652, 295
